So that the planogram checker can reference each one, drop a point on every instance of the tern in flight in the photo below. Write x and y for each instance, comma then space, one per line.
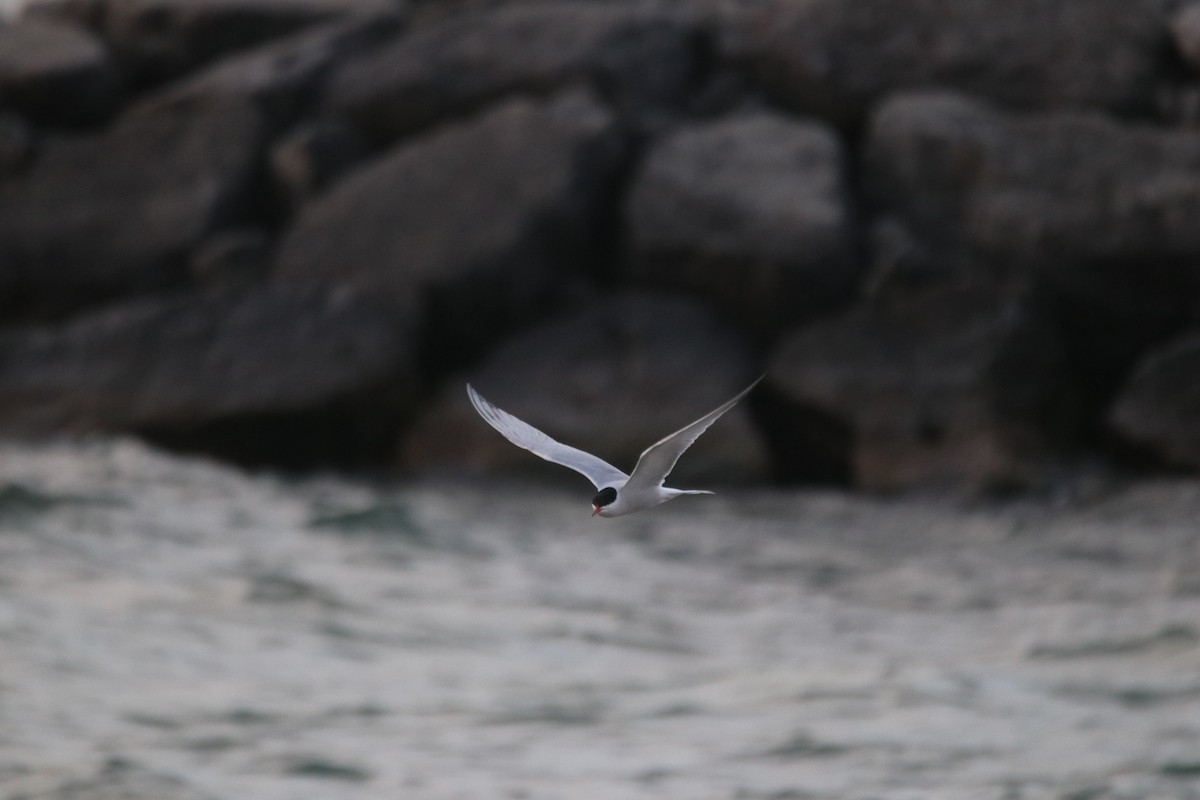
617, 493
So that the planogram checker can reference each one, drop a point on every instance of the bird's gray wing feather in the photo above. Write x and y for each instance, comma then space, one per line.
657, 460
524, 435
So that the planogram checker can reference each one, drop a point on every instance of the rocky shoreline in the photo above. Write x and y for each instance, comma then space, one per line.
962, 240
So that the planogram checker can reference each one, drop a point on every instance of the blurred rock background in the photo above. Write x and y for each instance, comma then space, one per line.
961, 238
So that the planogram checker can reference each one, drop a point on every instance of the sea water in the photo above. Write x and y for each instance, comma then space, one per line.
171, 628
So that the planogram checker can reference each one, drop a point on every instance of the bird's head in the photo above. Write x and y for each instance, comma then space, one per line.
602, 500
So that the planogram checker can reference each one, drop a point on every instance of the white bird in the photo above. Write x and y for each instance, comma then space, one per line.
617, 493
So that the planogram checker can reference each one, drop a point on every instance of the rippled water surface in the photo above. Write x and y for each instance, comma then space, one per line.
174, 629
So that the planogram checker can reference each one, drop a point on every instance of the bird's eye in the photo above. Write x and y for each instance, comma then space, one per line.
604, 497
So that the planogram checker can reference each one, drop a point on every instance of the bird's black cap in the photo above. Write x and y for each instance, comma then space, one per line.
604, 497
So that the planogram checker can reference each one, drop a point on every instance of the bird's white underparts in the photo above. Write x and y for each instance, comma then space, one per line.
616, 492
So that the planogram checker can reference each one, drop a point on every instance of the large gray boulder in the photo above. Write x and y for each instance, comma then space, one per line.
476, 223
1103, 216
637, 57
54, 73
160, 39
179, 363
612, 378
118, 212
1157, 412
749, 212
837, 58
951, 385
1041, 187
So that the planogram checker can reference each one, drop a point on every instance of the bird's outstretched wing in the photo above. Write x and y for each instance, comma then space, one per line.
657, 460
524, 435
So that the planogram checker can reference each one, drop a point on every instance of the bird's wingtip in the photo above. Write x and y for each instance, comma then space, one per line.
754, 383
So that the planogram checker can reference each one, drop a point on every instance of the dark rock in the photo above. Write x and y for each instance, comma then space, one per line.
1185, 30
236, 257
612, 380
899, 260
751, 213
836, 58
95, 216
161, 39
312, 157
473, 224
212, 365
1157, 412
1042, 187
1101, 215
55, 74
636, 58
16, 145
959, 385
1169, 7
285, 75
